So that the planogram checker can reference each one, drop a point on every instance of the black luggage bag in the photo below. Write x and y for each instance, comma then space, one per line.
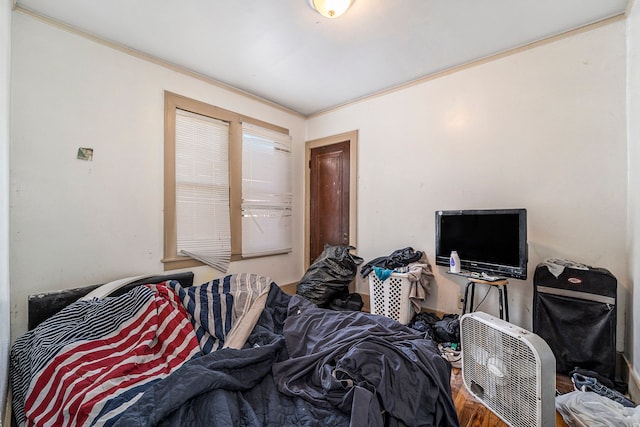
575, 313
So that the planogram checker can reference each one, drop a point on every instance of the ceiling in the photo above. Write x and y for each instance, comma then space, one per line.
285, 52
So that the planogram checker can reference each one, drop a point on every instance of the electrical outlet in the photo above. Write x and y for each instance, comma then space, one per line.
460, 300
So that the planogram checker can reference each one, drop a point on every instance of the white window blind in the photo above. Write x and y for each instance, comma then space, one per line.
266, 191
202, 189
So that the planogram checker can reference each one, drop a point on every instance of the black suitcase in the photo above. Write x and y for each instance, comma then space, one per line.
575, 313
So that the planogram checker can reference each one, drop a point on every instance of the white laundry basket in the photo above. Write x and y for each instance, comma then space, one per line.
390, 297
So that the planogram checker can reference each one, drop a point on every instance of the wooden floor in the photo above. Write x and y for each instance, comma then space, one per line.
472, 413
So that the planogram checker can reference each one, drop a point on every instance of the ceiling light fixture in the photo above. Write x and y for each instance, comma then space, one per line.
331, 8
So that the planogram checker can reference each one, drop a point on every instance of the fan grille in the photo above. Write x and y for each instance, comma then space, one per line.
501, 371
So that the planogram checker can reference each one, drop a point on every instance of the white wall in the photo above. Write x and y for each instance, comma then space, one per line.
5, 56
542, 129
75, 222
633, 130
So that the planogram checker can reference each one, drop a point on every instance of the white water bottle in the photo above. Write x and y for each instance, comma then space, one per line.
454, 262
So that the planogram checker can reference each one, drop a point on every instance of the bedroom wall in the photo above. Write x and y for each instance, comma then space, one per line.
633, 130
76, 222
542, 129
5, 56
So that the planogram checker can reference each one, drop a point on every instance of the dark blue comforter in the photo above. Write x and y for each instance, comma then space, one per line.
380, 371
305, 366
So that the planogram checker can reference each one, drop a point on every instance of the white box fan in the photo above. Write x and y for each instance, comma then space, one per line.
510, 370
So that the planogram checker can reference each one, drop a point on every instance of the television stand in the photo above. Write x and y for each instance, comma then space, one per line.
500, 283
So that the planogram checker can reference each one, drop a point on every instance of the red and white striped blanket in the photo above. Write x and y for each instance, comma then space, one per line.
90, 362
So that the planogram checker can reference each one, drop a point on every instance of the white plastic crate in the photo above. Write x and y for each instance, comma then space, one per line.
390, 297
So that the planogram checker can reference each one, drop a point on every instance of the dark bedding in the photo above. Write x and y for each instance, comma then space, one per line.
301, 366
232, 387
327, 365
367, 365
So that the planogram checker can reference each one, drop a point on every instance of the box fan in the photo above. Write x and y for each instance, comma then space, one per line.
510, 370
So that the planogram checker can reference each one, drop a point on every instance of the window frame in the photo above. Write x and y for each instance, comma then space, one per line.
172, 101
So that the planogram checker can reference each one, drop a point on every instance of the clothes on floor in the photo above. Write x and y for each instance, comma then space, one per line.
588, 409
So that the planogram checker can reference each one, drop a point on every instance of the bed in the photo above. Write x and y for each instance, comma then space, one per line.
236, 351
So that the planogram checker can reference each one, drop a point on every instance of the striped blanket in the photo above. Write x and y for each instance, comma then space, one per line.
87, 364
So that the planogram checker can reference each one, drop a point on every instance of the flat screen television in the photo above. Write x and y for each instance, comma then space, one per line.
493, 241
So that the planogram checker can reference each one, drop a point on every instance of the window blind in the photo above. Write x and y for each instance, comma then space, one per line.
202, 189
266, 191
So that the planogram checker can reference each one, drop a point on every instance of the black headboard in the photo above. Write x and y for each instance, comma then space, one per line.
44, 305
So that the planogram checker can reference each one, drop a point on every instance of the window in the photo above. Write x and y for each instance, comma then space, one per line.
266, 191
227, 186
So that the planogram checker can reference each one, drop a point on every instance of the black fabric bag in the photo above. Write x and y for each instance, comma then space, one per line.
329, 276
575, 313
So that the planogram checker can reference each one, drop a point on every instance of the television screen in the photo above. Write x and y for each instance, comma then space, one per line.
493, 241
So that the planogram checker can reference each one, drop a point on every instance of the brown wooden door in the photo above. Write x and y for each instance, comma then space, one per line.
329, 197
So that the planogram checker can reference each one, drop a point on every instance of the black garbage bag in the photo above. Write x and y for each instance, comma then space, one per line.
329, 275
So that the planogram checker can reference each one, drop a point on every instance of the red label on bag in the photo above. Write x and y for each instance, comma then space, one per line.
574, 280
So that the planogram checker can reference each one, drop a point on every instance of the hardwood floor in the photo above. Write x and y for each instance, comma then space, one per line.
472, 413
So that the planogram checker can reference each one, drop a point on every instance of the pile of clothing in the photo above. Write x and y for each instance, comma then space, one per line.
596, 402
397, 259
445, 331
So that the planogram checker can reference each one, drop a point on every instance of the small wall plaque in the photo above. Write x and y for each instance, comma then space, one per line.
85, 154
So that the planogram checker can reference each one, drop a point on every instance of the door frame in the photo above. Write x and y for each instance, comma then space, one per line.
352, 137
